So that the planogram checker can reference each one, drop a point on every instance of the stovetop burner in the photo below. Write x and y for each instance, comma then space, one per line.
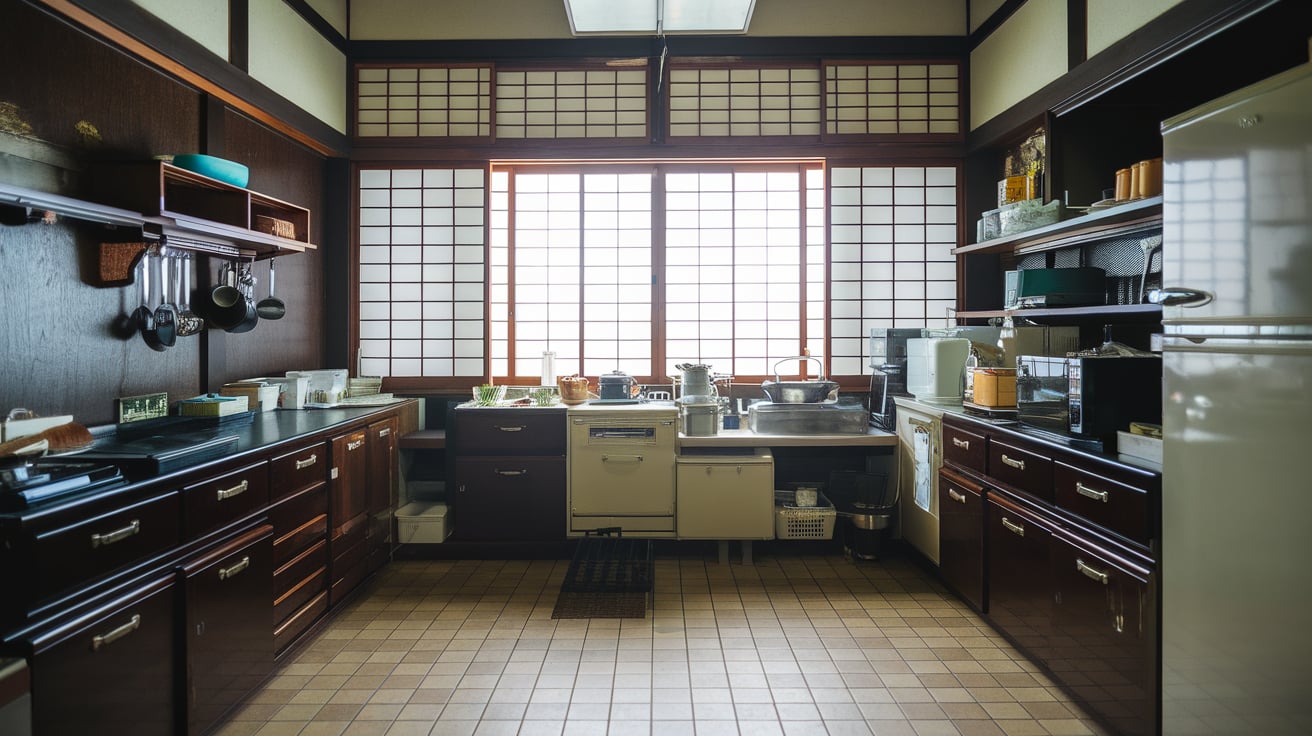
46, 478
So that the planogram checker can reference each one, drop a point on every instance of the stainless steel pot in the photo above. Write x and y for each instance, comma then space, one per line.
800, 392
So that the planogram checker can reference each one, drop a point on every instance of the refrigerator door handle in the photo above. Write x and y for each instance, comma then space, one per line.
1176, 296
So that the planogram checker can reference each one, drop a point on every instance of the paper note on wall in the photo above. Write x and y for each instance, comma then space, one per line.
921, 450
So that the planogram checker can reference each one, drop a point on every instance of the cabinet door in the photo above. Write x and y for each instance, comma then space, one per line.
1019, 582
112, 671
961, 542
509, 498
1103, 639
382, 465
228, 637
720, 500
349, 490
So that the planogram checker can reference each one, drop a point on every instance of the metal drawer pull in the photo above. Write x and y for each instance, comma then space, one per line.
621, 458
1090, 572
118, 535
963, 444
354, 445
1012, 527
958, 497
384, 431
514, 428
1093, 493
521, 471
228, 572
236, 490
1017, 464
307, 462
102, 640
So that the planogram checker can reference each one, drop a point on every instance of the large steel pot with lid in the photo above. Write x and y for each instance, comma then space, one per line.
805, 391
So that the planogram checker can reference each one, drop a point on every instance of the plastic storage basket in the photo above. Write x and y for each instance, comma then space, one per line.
803, 522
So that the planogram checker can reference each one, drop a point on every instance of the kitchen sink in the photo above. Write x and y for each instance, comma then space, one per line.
766, 417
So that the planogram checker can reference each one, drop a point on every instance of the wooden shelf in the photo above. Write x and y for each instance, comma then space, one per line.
1120, 311
1131, 217
423, 439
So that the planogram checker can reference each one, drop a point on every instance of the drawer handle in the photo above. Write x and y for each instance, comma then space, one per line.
1088, 492
352, 446
104, 640
621, 458
521, 471
963, 444
118, 535
384, 431
510, 428
307, 462
1013, 527
1017, 464
237, 490
958, 497
228, 572
1091, 572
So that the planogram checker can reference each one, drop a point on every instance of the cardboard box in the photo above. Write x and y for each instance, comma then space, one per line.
1140, 446
1014, 189
993, 387
420, 522
212, 405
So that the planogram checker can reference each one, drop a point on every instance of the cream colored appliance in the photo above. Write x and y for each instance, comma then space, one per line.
621, 468
920, 455
726, 496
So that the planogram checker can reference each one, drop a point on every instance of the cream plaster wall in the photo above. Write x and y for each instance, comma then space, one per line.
204, 21
980, 10
1112, 20
333, 11
377, 20
1024, 54
291, 58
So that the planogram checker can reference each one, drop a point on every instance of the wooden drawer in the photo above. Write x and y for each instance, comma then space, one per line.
287, 632
112, 671
291, 573
296, 540
961, 536
81, 552
1023, 470
298, 469
219, 501
510, 432
298, 521
1116, 507
301, 592
963, 448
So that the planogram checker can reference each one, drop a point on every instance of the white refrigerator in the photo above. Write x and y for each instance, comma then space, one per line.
1236, 514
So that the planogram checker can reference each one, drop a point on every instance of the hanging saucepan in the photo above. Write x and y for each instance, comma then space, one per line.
245, 283
225, 305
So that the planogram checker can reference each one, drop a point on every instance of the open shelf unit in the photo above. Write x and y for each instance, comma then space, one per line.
1122, 220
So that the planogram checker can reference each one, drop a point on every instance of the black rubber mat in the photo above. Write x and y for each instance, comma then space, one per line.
608, 577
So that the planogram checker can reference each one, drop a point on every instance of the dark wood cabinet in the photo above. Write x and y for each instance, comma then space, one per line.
1103, 638
349, 516
216, 502
110, 670
1019, 581
961, 536
298, 485
509, 474
227, 637
382, 479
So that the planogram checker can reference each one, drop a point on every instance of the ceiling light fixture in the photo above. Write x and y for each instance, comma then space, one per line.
658, 17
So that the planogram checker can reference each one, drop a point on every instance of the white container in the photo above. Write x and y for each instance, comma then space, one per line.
294, 389
1139, 446
935, 367
326, 386
421, 522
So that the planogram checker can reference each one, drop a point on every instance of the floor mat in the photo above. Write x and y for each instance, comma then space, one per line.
608, 577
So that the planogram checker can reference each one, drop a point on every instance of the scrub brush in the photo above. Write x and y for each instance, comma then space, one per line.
68, 437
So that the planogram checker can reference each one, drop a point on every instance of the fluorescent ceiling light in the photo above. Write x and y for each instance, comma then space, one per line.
658, 16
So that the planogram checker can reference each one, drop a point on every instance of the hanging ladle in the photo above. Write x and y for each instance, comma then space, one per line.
271, 307
166, 315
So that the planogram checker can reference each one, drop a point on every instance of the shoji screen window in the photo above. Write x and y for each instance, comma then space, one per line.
421, 276
892, 230
736, 284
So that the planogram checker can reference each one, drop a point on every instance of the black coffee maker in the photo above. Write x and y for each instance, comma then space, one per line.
888, 358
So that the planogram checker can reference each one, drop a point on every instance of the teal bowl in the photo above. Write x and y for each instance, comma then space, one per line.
228, 172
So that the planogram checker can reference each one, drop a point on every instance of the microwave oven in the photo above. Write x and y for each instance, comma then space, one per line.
1088, 396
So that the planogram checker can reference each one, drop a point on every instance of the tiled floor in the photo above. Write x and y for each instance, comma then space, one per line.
795, 644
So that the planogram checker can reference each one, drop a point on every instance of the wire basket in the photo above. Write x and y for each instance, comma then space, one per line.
803, 522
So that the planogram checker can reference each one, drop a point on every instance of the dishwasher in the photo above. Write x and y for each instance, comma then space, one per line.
621, 468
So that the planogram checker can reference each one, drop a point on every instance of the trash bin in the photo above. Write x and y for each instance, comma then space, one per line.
866, 511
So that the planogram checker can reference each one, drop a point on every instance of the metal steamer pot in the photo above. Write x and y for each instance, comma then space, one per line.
616, 386
806, 391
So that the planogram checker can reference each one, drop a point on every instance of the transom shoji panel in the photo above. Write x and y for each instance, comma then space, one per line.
746, 102
424, 102
422, 274
892, 231
575, 103
892, 98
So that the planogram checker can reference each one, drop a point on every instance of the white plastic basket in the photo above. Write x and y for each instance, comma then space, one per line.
805, 522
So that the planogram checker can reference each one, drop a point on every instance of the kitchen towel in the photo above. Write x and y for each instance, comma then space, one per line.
921, 450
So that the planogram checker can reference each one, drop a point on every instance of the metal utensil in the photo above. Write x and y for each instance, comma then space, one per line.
271, 307
166, 317
189, 323
143, 317
245, 281
1147, 245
